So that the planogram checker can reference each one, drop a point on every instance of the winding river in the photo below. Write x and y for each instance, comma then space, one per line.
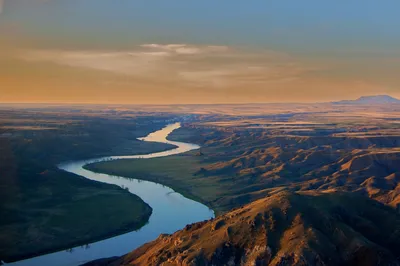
171, 211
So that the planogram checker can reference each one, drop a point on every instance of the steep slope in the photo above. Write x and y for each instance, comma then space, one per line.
283, 229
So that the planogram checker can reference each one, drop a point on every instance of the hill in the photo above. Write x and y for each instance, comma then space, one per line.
235, 169
315, 185
283, 229
377, 99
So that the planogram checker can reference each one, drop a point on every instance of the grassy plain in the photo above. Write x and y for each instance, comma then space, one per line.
177, 172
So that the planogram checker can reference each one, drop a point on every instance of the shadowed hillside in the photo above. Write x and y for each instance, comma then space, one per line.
284, 229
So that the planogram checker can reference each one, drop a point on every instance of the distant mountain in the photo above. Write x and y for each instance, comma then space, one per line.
283, 229
377, 99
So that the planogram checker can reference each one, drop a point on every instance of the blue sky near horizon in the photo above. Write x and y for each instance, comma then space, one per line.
298, 26
335, 42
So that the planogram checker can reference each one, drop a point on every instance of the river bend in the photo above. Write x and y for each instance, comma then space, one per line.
171, 210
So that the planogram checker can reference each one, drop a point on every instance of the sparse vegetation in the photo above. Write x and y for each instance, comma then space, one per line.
242, 165
283, 229
314, 198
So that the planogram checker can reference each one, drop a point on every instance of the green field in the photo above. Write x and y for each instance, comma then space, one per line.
177, 172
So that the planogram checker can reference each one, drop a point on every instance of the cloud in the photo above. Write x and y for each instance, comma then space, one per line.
186, 49
189, 65
1, 6
127, 63
163, 46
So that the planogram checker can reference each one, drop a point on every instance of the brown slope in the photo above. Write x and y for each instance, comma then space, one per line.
284, 229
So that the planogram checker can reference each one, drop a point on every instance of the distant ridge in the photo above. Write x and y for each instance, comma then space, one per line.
376, 99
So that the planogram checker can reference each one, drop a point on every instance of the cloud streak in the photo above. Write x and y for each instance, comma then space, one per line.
185, 49
190, 65
127, 63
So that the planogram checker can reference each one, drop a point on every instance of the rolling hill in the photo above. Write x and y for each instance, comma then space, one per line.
300, 189
283, 229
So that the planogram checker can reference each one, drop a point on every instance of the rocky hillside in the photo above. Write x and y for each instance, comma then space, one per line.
283, 229
325, 197
260, 162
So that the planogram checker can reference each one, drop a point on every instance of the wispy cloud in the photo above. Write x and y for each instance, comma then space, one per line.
193, 65
127, 63
186, 49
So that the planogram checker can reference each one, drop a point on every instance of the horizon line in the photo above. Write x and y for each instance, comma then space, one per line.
169, 104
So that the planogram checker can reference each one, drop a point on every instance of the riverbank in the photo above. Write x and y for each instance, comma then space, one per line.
171, 211
44, 209
77, 221
236, 168
177, 172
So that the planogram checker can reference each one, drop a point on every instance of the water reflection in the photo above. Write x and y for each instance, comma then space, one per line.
171, 210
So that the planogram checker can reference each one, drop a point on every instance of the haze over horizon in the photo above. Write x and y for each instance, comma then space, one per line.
153, 52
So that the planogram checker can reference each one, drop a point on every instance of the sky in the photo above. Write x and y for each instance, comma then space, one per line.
134, 51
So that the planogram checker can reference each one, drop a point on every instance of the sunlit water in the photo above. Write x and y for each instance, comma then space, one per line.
171, 211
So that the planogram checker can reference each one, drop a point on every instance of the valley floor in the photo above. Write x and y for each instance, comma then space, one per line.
242, 160
223, 175
44, 209
317, 192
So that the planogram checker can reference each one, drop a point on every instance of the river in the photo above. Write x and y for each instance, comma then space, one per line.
171, 210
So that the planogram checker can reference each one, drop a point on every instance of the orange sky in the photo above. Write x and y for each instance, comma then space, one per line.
181, 74
77, 52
